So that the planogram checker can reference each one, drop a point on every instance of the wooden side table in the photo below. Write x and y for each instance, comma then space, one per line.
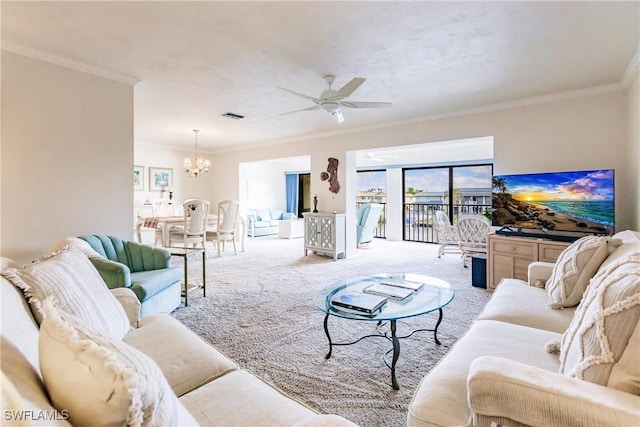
185, 253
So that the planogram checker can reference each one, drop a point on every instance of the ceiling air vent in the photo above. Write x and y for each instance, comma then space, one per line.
233, 116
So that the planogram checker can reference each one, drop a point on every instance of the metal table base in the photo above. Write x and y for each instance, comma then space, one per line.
184, 253
394, 339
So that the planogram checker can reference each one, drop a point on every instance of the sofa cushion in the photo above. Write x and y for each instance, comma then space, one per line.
100, 380
602, 343
77, 287
276, 214
262, 224
15, 312
75, 242
224, 402
26, 387
146, 284
630, 245
441, 396
185, 359
23, 410
575, 266
263, 215
515, 302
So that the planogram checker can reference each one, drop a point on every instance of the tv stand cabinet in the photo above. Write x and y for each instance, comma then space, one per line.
509, 257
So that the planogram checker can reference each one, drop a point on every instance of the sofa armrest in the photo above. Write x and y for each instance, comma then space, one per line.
288, 216
251, 225
131, 304
500, 389
114, 274
539, 273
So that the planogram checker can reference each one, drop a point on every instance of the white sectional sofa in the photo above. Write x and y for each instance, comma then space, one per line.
502, 370
212, 388
265, 222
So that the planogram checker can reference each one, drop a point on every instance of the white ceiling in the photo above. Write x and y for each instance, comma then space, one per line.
197, 60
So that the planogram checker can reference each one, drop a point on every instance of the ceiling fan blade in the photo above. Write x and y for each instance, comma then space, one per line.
315, 107
348, 89
337, 115
351, 104
301, 95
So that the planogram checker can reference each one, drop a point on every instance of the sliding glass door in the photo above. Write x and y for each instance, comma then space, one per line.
452, 189
372, 188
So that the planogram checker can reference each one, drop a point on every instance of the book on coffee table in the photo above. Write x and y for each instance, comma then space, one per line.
402, 283
358, 301
395, 292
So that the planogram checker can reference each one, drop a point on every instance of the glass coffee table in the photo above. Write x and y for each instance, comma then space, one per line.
434, 295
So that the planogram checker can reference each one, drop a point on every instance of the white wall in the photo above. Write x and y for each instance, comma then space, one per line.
588, 132
67, 156
184, 186
633, 97
263, 184
445, 152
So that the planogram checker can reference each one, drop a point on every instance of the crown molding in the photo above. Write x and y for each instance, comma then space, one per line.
68, 63
632, 70
555, 97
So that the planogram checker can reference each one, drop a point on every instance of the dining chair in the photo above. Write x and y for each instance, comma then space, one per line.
194, 230
225, 229
473, 230
161, 208
447, 235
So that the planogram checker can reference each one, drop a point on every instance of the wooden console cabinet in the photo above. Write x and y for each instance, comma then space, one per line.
509, 257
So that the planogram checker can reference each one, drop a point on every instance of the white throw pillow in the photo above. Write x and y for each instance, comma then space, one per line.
575, 266
77, 243
602, 342
72, 279
103, 381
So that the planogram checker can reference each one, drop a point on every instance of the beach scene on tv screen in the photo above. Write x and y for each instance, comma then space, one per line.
578, 201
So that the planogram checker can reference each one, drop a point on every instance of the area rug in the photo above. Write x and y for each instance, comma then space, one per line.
259, 312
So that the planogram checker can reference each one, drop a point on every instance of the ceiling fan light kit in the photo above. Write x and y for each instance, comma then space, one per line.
331, 100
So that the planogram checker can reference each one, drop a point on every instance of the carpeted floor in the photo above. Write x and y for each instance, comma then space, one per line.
259, 311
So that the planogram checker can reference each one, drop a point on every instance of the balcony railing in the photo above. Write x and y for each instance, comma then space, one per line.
381, 227
418, 218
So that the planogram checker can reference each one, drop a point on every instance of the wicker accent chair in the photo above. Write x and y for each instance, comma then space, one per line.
473, 231
447, 234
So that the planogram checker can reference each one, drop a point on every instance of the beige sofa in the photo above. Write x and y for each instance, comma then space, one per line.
501, 370
212, 388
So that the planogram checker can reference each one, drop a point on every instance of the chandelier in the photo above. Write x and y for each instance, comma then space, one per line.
199, 165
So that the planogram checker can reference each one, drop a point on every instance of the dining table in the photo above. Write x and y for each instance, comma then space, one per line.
165, 223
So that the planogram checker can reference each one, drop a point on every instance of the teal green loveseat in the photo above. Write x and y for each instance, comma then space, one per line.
145, 270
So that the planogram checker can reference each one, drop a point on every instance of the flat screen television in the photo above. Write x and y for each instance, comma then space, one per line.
569, 203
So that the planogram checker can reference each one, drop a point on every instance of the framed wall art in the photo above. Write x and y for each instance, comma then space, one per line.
160, 179
138, 178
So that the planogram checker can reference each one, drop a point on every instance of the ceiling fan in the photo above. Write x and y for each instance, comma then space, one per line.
331, 100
